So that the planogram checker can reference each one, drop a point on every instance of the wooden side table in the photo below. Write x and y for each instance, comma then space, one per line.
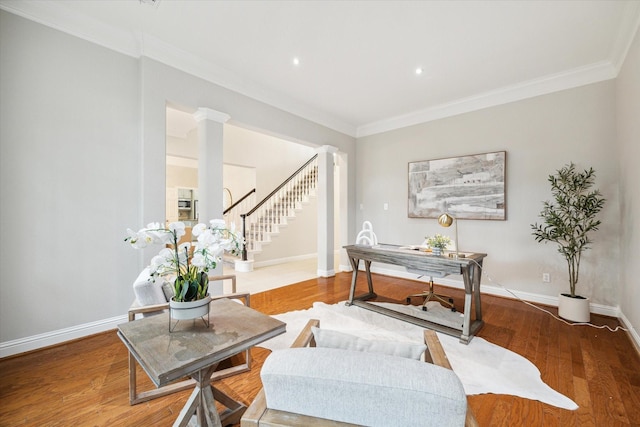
195, 350
138, 396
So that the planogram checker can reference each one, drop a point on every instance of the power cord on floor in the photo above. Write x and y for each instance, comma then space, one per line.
617, 328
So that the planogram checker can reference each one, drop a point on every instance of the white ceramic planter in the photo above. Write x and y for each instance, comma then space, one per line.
243, 266
190, 309
574, 309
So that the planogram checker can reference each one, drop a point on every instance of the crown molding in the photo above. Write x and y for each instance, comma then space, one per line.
55, 16
182, 161
165, 53
626, 33
553, 83
204, 113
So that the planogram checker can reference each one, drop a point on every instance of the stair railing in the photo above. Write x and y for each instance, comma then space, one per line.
281, 202
231, 215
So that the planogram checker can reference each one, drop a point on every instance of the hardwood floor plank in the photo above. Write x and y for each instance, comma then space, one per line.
85, 382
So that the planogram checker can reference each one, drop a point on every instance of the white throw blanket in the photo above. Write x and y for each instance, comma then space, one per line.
482, 367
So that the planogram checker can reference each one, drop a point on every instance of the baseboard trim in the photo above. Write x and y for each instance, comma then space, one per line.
326, 273
490, 289
602, 309
23, 345
270, 262
633, 334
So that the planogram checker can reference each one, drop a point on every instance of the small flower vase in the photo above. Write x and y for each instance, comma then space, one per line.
436, 251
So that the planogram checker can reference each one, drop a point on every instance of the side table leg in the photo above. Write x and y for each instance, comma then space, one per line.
201, 402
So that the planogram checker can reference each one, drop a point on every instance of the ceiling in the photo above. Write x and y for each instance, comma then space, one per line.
357, 59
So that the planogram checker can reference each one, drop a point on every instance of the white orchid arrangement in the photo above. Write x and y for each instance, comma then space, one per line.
438, 241
189, 262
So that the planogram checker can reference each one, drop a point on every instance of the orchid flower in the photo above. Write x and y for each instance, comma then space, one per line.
188, 260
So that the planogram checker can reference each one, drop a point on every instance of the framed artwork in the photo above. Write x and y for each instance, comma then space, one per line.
467, 187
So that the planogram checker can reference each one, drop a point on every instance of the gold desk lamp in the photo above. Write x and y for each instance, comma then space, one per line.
447, 220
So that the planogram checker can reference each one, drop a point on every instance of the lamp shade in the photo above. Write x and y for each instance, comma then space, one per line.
445, 220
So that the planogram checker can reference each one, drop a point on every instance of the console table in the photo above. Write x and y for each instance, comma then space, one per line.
195, 350
424, 263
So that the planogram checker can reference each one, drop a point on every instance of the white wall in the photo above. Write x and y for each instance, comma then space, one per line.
82, 148
240, 180
628, 115
274, 159
540, 135
70, 179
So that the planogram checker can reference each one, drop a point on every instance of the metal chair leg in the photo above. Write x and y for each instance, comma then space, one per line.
431, 295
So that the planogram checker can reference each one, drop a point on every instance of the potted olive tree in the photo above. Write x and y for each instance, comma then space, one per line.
568, 222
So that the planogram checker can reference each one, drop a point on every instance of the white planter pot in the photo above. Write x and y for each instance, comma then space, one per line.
243, 266
190, 309
575, 309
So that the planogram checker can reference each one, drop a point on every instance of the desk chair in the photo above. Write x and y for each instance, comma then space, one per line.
431, 295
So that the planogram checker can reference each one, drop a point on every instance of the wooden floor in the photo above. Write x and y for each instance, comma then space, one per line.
85, 382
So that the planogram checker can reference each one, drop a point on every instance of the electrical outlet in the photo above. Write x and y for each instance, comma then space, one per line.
385, 206
546, 277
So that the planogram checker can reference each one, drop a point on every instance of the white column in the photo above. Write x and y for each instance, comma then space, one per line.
326, 211
210, 164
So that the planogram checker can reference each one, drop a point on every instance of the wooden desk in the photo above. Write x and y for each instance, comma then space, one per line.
194, 350
424, 263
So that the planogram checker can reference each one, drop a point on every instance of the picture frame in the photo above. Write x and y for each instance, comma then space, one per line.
466, 187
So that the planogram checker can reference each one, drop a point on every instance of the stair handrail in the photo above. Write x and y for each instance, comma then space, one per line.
242, 199
267, 198
285, 182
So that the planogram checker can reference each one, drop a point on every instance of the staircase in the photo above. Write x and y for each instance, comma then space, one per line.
271, 215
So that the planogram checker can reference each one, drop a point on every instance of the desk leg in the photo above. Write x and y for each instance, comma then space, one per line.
468, 294
354, 278
367, 267
476, 277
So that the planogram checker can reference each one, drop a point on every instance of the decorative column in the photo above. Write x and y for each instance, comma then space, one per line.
210, 164
326, 211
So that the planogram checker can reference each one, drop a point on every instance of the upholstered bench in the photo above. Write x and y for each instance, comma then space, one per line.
350, 385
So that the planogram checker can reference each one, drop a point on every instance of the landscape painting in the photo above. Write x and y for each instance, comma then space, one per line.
468, 187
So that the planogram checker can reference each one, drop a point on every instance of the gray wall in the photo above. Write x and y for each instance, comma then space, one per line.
82, 140
628, 127
70, 162
540, 135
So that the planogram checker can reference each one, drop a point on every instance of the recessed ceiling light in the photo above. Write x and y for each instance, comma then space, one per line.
419, 71
296, 61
